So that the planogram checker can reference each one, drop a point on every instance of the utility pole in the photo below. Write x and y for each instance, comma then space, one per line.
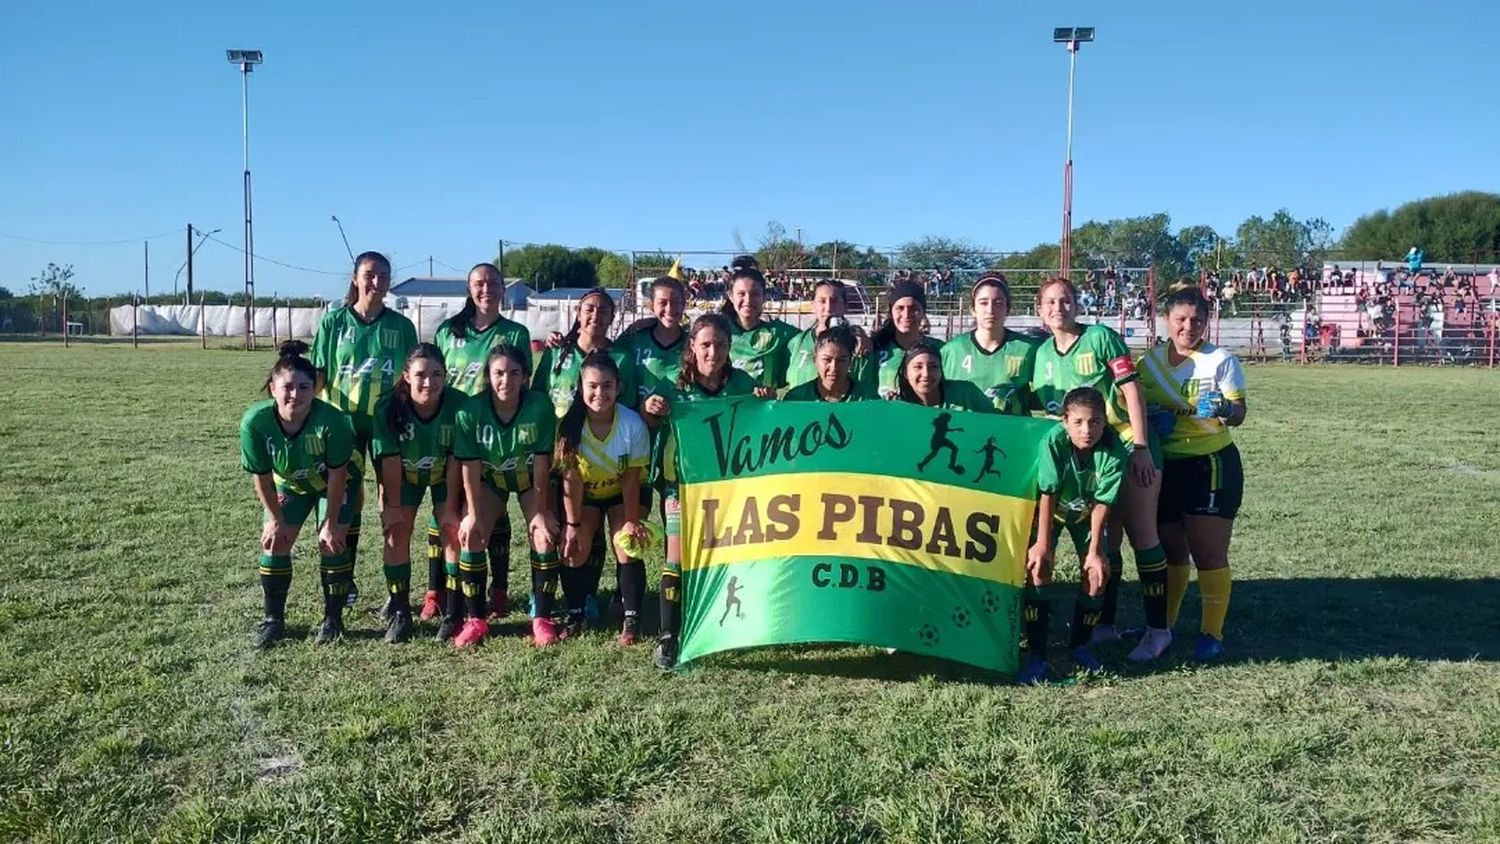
429, 267
189, 265
147, 268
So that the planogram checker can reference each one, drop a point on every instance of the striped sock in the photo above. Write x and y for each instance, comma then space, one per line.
1151, 566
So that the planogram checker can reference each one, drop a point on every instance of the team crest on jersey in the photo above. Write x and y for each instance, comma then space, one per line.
390, 339
526, 434
763, 341
315, 445
1085, 364
1013, 365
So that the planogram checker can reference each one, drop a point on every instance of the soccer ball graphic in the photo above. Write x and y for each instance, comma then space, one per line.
961, 617
990, 601
928, 634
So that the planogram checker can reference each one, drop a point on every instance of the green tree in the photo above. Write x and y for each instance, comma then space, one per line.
1042, 256
1459, 228
1283, 241
776, 251
548, 266
934, 252
846, 256
5, 293
613, 271
55, 281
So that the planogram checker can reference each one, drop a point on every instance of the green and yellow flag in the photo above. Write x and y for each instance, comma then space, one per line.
882, 523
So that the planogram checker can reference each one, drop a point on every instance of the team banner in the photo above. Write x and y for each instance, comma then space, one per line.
877, 522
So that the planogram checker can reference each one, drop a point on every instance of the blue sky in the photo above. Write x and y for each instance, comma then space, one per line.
437, 128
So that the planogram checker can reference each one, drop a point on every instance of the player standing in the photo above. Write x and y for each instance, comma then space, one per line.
995, 359
705, 373
1202, 387
757, 345
1095, 356
358, 351
905, 324
466, 339
298, 448
829, 305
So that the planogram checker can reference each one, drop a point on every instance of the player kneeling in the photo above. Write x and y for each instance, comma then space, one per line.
503, 444
1078, 475
298, 448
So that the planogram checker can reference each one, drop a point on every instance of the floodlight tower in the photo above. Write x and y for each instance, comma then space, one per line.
247, 60
1072, 36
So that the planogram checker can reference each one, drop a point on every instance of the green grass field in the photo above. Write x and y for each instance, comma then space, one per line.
1362, 701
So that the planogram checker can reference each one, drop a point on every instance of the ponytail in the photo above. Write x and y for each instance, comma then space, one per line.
291, 356
570, 428
458, 324
570, 340
399, 410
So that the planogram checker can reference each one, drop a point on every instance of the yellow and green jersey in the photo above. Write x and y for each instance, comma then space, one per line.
360, 361
653, 361
1208, 368
1081, 480
809, 392
299, 460
761, 351
737, 384
802, 368
504, 448
423, 445
1098, 359
1004, 375
465, 356
603, 461
889, 358
963, 395
557, 373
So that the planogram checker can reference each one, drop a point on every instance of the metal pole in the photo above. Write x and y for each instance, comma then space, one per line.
202, 322
65, 318
500, 262
249, 224
1067, 221
135, 322
146, 267
189, 297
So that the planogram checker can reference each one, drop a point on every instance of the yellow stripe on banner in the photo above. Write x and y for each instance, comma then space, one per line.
846, 514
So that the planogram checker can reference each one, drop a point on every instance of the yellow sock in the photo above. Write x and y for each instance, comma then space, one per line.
1213, 586
1177, 584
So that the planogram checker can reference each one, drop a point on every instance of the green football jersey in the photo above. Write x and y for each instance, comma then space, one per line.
360, 361
737, 384
556, 376
298, 461
809, 392
963, 395
423, 446
1098, 359
761, 351
1004, 374
653, 361
889, 358
465, 356
1081, 481
801, 368
504, 449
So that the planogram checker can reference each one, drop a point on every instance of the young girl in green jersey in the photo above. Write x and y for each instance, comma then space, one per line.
905, 324
1200, 388
829, 305
602, 451
504, 448
298, 448
704, 373
655, 343
1078, 479
357, 351
921, 382
833, 356
413, 438
757, 345
466, 339
995, 359
1078, 355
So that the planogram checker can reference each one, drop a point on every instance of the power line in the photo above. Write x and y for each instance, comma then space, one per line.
260, 257
172, 233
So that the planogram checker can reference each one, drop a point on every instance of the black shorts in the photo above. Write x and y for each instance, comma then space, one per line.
1209, 485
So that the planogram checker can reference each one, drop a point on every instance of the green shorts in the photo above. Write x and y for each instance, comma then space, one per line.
1078, 531
412, 494
295, 508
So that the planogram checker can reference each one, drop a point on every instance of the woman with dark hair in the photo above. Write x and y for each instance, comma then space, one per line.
602, 450
413, 436
829, 304
1200, 389
1078, 355
921, 382
298, 449
905, 324
833, 356
466, 339
758, 346
655, 343
704, 373
995, 359
357, 351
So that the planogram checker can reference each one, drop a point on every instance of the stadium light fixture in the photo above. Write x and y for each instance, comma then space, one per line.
1072, 36
247, 60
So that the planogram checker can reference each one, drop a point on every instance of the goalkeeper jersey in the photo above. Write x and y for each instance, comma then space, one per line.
1177, 388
